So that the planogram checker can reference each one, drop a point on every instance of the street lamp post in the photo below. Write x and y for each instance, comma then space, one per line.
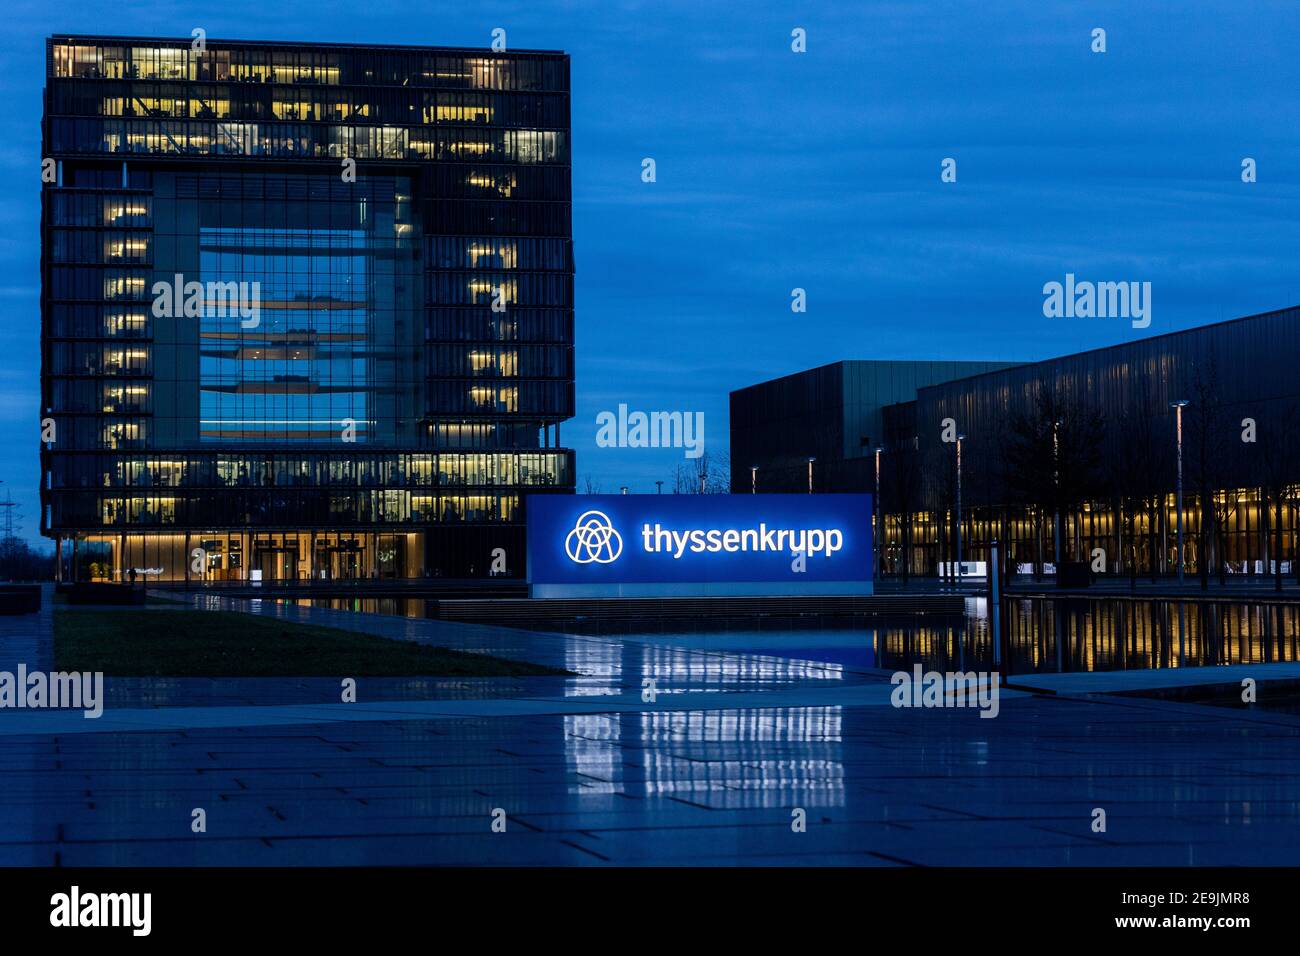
660, 486
1178, 407
753, 479
960, 439
877, 524
1056, 495
810, 464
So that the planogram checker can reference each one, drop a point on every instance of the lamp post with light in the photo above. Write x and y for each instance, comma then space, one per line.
1178, 407
1056, 495
877, 524
960, 439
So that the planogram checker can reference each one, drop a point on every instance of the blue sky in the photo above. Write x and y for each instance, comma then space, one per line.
819, 170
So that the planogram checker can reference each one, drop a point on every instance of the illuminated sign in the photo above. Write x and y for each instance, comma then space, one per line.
627, 545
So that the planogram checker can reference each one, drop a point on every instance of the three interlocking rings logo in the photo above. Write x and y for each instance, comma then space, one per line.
593, 540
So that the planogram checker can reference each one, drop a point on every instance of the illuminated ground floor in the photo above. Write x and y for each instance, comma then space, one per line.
303, 555
1238, 532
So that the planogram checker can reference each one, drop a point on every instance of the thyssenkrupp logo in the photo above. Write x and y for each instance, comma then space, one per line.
593, 540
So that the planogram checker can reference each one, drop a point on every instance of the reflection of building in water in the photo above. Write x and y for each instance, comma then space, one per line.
673, 762
592, 751
753, 771
678, 669
600, 663
1100, 635
1124, 635
705, 670
957, 643
400, 607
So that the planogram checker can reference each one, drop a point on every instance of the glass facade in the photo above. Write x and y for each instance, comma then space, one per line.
333, 341
303, 291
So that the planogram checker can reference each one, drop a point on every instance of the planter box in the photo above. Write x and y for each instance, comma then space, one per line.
96, 593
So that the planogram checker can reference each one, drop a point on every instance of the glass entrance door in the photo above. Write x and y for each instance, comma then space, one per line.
340, 558
276, 556
276, 564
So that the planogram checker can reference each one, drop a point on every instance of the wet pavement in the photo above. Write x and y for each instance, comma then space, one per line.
709, 765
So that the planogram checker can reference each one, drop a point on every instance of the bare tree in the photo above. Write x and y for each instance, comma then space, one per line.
1144, 461
684, 481
718, 473
982, 481
1053, 454
19, 561
708, 474
1279, 463
1206, 439
940, 469
900, 479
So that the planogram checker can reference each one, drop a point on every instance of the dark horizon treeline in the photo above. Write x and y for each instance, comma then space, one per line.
19, 561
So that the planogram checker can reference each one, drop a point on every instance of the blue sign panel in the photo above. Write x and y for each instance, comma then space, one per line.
699, 544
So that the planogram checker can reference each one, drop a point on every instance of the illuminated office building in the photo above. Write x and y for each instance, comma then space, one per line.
307, 309
1241, 459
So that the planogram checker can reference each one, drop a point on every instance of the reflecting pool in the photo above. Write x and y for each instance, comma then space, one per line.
1042, 635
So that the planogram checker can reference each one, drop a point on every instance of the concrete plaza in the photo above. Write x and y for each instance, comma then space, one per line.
708, 772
